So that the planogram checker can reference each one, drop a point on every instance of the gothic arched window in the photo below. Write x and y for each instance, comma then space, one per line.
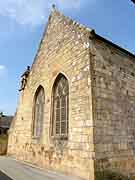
39, 102
60, 111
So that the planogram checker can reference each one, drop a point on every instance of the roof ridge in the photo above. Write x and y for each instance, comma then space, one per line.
93, 32
84, 27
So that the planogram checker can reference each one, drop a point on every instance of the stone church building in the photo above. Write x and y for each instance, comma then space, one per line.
76, 112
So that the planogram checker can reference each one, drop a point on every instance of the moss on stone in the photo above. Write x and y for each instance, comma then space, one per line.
110, 175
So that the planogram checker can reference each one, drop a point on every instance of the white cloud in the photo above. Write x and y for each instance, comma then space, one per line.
32, 12
2, 67
3, 71
68, 3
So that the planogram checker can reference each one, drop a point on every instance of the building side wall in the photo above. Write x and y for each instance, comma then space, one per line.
64, 49
114, 109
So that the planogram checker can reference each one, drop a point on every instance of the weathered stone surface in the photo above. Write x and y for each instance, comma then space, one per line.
101, 103
64, 49
114, 104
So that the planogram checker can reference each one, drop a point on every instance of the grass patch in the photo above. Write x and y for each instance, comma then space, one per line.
3, 144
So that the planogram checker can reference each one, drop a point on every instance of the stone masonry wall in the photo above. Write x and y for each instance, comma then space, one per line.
114, 108
64, 49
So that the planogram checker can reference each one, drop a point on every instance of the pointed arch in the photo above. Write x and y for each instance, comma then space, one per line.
60, 107
38, 111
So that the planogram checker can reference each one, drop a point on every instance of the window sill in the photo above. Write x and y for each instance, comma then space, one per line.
35, 137
60, 138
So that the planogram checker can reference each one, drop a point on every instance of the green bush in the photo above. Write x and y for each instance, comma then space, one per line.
3, 139
109, 175
3, 144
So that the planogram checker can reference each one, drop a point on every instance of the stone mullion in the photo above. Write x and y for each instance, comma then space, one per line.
66, 115
60, 115
54, 121
35, 121
38, 121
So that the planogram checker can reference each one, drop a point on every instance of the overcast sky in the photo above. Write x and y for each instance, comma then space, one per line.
22, 23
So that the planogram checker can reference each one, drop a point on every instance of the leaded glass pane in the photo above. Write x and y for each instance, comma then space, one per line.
39, 111
60, 108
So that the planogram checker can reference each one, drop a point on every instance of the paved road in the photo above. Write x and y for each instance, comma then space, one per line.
11, 169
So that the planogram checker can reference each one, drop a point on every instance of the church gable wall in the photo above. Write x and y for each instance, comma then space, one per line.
64, 49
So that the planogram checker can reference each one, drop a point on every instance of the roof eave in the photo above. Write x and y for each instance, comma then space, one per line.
112, 44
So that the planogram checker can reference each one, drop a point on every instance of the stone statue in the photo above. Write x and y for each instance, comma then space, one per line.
24, 78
